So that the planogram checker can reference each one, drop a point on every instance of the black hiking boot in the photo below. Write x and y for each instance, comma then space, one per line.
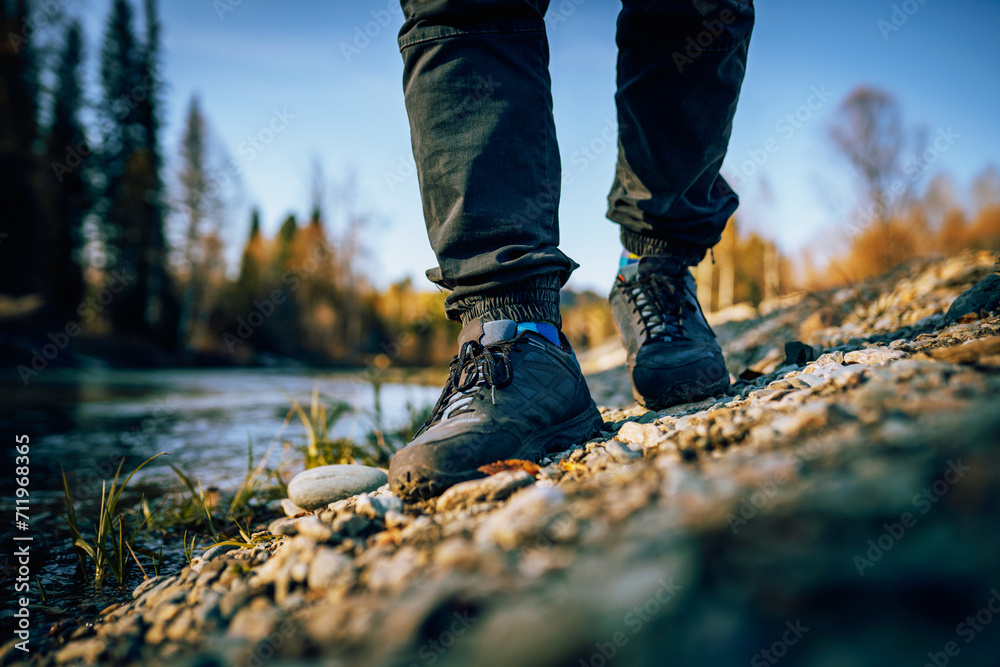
673, 356
508, 396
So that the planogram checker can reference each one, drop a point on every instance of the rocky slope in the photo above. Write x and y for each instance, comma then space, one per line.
840, 509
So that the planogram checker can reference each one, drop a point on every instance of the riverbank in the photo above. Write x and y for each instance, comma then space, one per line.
839, 509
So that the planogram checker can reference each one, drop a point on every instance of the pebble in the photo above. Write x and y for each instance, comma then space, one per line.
255, 621
984, 296
318, 487
836, 357
492, 488
350, 524
84, 651
283, 526
290, 508
621, 452
149, 584
847, 455
644, 435
330, 569
394, 574
376, 507
798, 353
528, 513
877, 356
313, 528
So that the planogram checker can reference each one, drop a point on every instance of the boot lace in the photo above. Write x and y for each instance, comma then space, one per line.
660, 302
475, 367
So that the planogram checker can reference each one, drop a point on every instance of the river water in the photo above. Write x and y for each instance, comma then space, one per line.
85, 422
88, 421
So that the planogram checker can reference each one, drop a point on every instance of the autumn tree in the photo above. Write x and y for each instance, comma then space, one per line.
868, 131
253, 264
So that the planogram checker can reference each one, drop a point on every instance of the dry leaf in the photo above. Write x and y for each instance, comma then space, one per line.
572, 466
510, 464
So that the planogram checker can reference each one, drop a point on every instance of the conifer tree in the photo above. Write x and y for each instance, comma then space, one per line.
194, 187
69, 156
23, 232
131, 201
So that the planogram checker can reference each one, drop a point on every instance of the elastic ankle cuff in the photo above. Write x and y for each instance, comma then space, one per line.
534, 300
642, 245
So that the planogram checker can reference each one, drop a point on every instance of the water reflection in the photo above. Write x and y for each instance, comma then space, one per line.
89, 420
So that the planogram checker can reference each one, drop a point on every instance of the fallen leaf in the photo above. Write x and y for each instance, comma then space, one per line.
510, 464
572, 466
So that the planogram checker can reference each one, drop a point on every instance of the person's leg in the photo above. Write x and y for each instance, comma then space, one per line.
477, 93
476, 85
680, 69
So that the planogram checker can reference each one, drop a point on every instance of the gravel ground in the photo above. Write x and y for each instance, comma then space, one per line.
839, 509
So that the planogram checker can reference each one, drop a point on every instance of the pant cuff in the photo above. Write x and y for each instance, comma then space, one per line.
640, 244
534, 300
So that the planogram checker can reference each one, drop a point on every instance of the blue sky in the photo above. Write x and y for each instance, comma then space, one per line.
265, 56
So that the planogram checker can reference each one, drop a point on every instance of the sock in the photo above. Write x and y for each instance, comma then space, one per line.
546, 329
626, 259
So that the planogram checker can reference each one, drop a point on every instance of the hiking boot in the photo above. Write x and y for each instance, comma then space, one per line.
509, 395
673, 356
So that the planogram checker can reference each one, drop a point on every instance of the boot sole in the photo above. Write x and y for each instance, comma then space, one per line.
684, 394
422, 482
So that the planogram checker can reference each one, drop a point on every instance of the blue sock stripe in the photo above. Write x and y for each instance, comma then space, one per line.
542, 328
626, 259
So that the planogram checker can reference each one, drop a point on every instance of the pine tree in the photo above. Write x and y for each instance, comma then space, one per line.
71, 197
118, 202
285, 242
194, 186
251, 278
131, 202
24, 230
154, 257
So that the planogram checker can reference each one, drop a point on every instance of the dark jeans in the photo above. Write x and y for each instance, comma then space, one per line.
476, 84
